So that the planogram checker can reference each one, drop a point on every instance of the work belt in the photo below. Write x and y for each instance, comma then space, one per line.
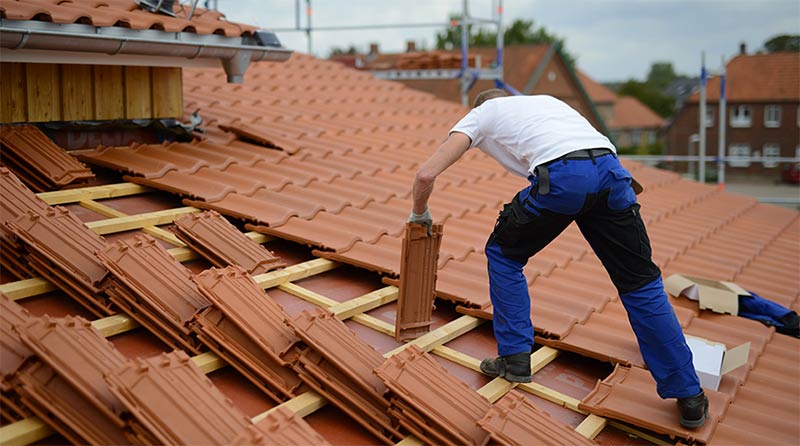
584, 154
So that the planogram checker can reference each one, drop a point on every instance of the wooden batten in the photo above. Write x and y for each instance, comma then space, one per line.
42, 92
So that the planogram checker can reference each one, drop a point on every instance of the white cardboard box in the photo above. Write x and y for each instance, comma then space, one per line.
712, 360
715, 295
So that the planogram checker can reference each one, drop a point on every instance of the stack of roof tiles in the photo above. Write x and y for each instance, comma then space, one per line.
247, 328
13, 354
16, 201
148, 284
41, 164
280, 426
219, 242
339, 365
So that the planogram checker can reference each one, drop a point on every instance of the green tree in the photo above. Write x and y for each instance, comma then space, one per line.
650, 96
661, 75
336, 51
520, 32
783, 43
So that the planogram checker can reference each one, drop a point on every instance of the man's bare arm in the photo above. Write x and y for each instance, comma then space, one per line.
448, 153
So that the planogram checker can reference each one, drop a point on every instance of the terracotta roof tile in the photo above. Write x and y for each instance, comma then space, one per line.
60, 246
598, 92
515, 420
77, 358
418, 267
629, 394
339, 365
222, 244
46, 166
153, 288
450, 408
280, 426
246, 327
122, 13
163, 395
13, 352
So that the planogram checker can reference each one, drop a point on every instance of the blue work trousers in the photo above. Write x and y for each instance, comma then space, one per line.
596, 193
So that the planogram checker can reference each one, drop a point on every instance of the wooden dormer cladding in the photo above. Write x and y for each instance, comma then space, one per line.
44, 92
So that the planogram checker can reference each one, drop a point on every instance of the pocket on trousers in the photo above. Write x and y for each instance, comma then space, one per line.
621, 195
511, 224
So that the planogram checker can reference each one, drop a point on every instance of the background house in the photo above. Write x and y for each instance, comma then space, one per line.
633, 126
762, 120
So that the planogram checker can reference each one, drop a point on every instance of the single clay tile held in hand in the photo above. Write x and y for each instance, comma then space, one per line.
280, 427
246, 327
60, 246
42, 165
514, 420
66, 386
153, 288
629, 394
217, 240
172, 402
339, 365
418, 267
431, 401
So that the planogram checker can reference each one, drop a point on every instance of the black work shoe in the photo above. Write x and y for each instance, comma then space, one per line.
515, 368
694, 410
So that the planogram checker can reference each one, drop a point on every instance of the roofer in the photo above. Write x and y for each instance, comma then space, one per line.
574, 175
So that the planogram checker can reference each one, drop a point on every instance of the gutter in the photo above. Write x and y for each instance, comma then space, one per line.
235, 53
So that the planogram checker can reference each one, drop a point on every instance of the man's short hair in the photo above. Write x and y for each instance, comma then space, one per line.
488, 94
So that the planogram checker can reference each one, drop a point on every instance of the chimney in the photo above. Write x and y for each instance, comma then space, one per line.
373, 48
742, 49
411, 46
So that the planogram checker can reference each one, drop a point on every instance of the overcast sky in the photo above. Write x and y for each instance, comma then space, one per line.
611, 39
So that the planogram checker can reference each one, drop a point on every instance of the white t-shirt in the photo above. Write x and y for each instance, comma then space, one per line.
521, 132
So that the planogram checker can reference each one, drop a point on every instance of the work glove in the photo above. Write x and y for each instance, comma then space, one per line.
422, 219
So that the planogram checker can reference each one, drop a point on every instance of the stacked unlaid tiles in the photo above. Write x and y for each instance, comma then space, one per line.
219, 242
13, 353
171, 401
434, 405
280, 426
41, 164
339, 365
153, 288
60, 248
65, 386
50, 242
247, 328
16, 201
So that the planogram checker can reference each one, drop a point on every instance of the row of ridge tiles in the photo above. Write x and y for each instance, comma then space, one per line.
122, 13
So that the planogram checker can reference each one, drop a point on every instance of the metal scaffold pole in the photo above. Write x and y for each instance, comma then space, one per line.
722, 121
701, 167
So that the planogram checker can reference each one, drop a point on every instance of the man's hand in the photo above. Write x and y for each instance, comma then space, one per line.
422, 219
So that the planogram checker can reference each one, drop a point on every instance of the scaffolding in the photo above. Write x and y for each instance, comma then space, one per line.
467, 75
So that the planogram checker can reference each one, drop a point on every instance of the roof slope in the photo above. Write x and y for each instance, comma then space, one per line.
124, 14
597, 91
758, 77
342, 185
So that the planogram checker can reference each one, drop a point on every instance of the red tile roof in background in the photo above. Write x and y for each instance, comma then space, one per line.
758, 78
629, 113
598, 92
122, 13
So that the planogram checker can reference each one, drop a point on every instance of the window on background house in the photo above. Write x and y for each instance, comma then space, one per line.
636, 136
740, 116
709, 117
738, 150
771, 151
651, 137
772, 116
